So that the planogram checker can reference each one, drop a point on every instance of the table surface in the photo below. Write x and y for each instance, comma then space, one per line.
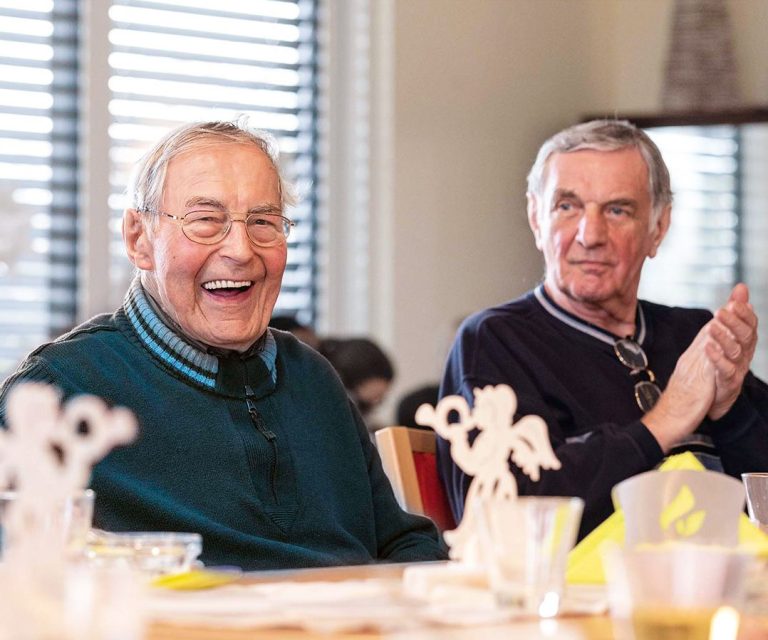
563, 628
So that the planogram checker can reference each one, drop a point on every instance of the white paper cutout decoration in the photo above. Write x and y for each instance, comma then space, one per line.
487, 457
47, 590
46, 453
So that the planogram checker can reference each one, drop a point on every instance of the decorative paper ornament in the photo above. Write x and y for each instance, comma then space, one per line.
486, 458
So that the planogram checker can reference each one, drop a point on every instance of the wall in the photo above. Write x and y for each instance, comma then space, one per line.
639, 33
475, 88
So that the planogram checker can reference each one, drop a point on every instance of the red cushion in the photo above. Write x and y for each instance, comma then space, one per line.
432, 495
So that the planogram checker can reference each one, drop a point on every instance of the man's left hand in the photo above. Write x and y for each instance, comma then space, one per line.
734, 333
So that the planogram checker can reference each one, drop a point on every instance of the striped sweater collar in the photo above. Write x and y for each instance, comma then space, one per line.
587, 327
173, 350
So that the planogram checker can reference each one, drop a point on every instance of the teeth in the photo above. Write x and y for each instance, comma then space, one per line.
227, 284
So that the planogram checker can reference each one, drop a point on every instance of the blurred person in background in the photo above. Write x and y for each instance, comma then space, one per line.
303, 332
365, 371
409, 403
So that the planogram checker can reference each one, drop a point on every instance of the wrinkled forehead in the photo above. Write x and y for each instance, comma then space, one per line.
221, 164
623, 169
213, 147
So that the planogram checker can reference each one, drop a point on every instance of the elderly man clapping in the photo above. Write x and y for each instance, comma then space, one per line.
620, 382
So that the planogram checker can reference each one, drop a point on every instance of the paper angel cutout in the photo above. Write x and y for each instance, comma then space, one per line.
486, 458
46, 455
47, 452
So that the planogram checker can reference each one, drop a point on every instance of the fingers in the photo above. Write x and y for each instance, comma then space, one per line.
740, 293
739, 317
734, 328
731, 337
688, 397
729, 376
722, 340
738, 306
726, 370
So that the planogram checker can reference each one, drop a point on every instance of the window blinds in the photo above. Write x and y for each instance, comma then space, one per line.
700, 259
38, 173
717, 238
173, 61
170, 61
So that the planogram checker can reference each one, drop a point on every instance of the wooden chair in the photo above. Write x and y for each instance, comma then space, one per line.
409, 460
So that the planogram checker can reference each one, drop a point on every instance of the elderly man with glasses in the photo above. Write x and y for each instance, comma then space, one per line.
620, 382
246, 435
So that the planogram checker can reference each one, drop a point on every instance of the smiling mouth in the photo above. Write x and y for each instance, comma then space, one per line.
591, 264
227, 287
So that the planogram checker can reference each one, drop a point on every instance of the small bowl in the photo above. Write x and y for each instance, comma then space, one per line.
154, 553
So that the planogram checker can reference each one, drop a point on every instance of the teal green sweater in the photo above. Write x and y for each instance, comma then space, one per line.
261, 453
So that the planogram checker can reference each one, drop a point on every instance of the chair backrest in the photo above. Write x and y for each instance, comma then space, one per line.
409, 460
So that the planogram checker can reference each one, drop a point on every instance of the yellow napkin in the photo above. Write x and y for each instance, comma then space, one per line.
585, 565
197, 579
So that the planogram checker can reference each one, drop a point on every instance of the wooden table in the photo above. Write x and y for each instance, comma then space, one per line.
566, 628
563, 628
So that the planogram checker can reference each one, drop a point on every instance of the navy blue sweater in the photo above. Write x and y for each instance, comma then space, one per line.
565, 370
274, 469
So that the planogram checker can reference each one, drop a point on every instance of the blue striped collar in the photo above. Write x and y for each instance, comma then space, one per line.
587, 327
174, 350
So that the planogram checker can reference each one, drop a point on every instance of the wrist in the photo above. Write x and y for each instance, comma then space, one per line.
669, 424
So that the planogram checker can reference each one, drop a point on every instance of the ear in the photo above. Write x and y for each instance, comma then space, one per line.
138, 243
660, 230
533, 218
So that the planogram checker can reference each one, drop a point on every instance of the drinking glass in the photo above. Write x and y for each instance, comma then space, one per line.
69, 523
681, 505
756, 485
525, 544
152, 553
678, 591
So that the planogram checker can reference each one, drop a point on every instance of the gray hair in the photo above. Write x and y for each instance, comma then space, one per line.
145, 188
607, 135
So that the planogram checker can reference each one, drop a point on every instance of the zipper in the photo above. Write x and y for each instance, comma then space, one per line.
268, 434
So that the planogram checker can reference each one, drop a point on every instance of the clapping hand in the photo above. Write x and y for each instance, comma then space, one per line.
709, 375
733, 333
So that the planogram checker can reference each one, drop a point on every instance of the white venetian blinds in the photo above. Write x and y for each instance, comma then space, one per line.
173, 61
719, 219
38, 173
700, 259
169, 61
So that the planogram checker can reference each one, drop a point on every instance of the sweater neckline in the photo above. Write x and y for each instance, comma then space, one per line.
557, 312
186, 359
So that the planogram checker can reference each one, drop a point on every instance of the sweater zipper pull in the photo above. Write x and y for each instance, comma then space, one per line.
268, 434
256, 418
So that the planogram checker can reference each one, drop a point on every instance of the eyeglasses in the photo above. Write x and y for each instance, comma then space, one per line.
209, 226
631, 354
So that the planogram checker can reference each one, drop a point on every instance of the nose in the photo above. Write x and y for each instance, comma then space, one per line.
236, 244
592, 230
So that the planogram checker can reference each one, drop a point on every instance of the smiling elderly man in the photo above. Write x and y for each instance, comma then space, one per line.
620, 382
246, 435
